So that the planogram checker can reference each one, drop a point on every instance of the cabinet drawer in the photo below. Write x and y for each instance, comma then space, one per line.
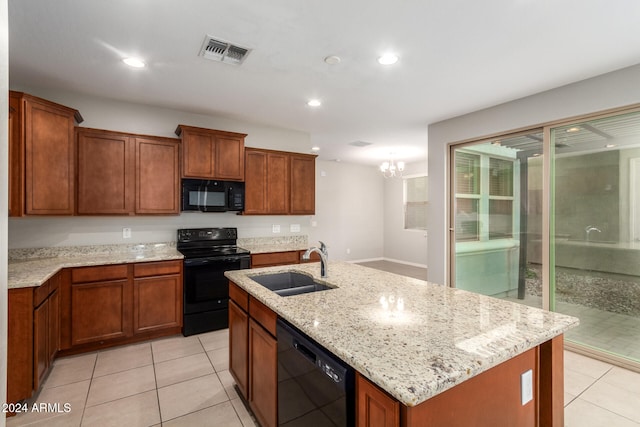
157, 268
96, 274
263, 315
239, 296
274, 258
40, 293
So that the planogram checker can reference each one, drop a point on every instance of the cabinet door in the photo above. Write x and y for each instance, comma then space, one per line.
303, 185
100, 311
278, 183
20, 344
53, 329
229, 158
375, 408
105, 173
263, 375
16, 157
157, 176
239, 347
40, 337
197, 155
255, 182
49, 159
157, 303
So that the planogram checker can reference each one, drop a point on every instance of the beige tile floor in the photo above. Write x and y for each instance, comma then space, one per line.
175, 381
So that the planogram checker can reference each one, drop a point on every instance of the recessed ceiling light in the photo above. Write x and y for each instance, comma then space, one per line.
315, 148
609, 145
314, 103
573, 129
134, 62
388, 59
332, 59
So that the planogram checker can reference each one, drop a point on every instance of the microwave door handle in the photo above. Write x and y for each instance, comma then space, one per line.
203, 204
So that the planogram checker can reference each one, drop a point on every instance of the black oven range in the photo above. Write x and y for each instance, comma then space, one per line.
208, 253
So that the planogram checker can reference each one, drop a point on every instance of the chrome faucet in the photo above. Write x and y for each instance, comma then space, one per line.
588, 229
324, 256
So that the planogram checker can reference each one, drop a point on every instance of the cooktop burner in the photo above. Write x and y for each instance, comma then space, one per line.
208, 242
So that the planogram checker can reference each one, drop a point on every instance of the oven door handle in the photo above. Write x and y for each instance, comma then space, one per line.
204, 261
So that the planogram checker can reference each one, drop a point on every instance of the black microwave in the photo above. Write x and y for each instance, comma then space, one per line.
212, 196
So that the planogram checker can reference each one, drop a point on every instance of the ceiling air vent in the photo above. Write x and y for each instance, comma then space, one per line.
221, 51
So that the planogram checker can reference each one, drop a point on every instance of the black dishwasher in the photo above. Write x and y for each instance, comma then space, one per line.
315, 388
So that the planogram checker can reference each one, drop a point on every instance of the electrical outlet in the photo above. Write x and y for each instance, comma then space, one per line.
275, 228
126, 233
348, 251
294, 228
526, 387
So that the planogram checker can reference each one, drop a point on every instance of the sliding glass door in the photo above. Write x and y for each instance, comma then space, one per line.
551, 218
498, 217
596, 231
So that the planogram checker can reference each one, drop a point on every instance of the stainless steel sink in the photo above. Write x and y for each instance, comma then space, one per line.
289, 283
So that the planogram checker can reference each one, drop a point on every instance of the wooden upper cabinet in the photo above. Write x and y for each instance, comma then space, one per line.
211, 154
255, 179
157, 176
279, 183
42, 156
126, 174
105, 172
303, 184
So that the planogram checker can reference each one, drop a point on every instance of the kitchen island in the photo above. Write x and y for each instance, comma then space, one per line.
444, 355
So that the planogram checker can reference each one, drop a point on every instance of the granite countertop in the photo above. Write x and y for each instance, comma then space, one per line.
33, 267
412, 338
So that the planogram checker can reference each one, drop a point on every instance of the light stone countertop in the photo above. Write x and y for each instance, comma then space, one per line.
440, 338
31, 268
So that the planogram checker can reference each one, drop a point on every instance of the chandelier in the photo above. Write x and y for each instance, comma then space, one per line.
391, 168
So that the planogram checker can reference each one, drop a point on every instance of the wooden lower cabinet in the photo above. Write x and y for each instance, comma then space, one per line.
157, 299
239, 347
275, 258
375, 408
263, 374
253, 354
33, 337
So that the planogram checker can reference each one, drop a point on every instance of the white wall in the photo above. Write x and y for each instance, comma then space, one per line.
337, 224
612, 90
349, 214
407, 246
4, 156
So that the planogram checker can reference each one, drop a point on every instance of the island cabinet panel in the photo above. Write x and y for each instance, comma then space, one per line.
263, 375
157, 176
492, 398
253, 352
552, 382
212, 154
374, 407
42, 162
105, 172
303, 184
239, 347
157, 296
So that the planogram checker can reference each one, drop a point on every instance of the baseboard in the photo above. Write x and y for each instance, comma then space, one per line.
357, 261
413, 264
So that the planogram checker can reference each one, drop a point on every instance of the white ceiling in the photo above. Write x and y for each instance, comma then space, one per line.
456, 56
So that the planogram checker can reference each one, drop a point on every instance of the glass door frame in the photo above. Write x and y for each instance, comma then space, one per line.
548, 256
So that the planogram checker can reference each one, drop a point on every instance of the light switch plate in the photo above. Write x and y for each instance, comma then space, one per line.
294, 228
526, 387
275, 228
126, 233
